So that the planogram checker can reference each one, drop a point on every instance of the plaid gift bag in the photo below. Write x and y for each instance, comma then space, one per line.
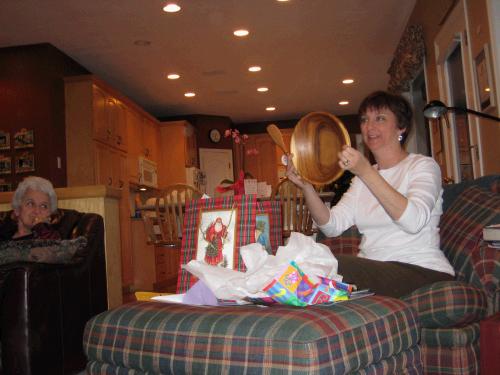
214, 231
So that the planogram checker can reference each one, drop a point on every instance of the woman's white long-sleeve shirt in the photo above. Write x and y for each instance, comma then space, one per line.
414, 237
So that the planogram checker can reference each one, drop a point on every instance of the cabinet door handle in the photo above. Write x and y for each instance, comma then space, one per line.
110, 181
120, 184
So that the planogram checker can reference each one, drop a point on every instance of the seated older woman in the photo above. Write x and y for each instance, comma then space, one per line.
33, 203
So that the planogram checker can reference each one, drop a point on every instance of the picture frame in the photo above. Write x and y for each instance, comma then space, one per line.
24, 138
484, 79
4, 140
262, 231
25, 162
216, 237
272, 209
5, 165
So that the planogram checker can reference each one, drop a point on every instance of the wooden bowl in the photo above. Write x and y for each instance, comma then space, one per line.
316, 141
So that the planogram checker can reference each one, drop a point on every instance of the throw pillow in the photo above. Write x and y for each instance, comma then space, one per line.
41, 251
462, 231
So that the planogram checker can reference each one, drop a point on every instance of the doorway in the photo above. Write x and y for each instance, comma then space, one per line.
453, 62
419, 136
217, 165
461, 141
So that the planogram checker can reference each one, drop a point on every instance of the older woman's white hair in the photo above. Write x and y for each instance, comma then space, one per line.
37, 184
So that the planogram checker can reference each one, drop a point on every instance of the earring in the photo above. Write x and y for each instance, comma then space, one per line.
400, 137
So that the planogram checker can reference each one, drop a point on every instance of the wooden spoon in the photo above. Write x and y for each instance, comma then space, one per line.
277, 137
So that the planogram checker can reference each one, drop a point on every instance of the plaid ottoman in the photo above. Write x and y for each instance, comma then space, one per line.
372, 335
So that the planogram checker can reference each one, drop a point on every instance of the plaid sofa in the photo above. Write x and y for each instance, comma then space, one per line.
370, 336
449, 312
434, 330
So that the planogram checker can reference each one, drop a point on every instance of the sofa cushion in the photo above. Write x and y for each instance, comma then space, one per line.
448, 304
462, 239
175, 338
41, 251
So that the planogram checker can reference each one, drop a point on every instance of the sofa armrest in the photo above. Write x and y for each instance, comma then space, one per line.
448, 304
31, 329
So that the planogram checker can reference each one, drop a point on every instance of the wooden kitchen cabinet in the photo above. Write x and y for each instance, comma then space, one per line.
109, 124
262, 166
95, 148
167, 260
111, 170
135, 148
144, 134
150, 139
179, 150
266, 166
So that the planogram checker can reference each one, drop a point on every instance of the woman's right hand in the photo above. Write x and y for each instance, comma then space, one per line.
292, 174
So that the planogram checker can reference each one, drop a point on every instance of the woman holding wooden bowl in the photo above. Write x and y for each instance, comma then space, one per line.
395, 204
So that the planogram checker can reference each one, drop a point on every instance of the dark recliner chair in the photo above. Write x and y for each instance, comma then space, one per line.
44, 307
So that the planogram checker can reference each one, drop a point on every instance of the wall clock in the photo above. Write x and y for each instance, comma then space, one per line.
214, 135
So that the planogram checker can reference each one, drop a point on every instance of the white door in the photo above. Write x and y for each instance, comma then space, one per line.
217, 165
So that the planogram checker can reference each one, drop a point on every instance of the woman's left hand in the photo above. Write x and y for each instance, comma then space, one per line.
352, 160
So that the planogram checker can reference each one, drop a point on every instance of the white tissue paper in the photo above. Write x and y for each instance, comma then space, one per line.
313, 258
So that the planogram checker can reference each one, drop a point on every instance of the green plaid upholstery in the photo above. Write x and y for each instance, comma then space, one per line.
176, 339
407, 362
451, 351
462, 241
449, 311
448, 304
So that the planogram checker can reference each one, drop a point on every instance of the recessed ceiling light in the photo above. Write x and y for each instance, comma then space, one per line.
344, 102
282, 1
171, 8
270, 109
173, 76
347, 81
142, 43
262, 89
241, 32
189, 94
254, 69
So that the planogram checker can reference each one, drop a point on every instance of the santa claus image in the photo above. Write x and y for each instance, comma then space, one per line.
215, 235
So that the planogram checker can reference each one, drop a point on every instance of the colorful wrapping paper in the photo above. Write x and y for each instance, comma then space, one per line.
294, 287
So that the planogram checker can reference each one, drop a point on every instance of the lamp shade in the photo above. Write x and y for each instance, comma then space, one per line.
435, 109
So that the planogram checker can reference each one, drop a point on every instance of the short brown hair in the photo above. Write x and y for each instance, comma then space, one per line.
395, 103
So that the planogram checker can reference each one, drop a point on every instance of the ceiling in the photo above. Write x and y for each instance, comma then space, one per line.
305, 49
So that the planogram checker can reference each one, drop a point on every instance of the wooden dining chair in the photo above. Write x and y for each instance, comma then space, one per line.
295, 216
170, 207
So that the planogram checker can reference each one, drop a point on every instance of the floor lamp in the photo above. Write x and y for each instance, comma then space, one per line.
435, 109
